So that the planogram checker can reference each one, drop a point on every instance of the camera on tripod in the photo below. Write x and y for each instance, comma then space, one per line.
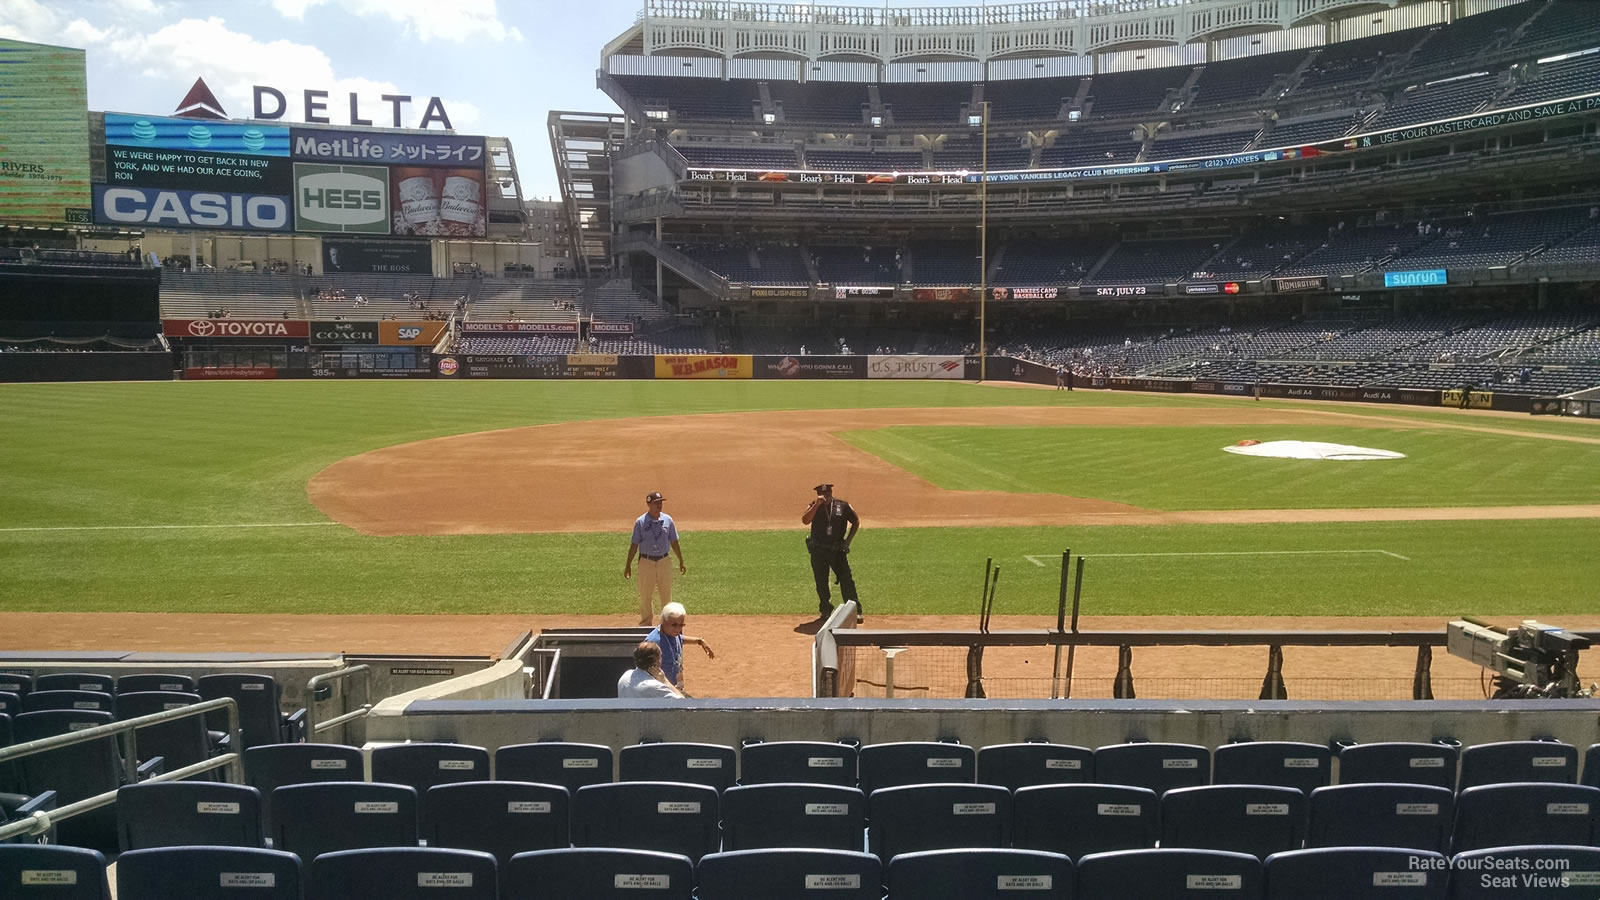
1533, 660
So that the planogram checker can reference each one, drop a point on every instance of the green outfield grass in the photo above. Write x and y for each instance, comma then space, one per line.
106, 461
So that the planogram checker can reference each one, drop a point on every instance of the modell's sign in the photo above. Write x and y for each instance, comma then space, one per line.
1302, 283
234, 328
520, 327
611, 328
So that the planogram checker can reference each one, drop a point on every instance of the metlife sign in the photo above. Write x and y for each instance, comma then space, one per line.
327, 145
344, 199
1415, 278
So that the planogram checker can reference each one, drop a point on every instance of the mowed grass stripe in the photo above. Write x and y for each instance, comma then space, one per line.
1185, 468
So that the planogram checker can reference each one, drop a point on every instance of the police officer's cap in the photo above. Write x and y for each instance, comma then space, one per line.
823, 487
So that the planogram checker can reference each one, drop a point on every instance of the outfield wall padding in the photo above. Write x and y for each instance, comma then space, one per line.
31, 367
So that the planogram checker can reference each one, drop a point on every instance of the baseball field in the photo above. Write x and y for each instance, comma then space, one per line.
515, 498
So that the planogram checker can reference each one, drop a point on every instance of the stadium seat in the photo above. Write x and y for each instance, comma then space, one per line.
798, 762
980, 874
501, 818
1305, 767
181, 742
1537, 812
184, 813
1591, 766
1399, 762
1518, 761
1159, 767
40, 701
789, 874
647, 815
937, 817
424, 765
1356, 873
1168, 875
261, 720
1401, 816
1525, 872
14, 683
49, 872
1243, 818
10, 704
10, 780
76, 772
75, 681
598, 873
570, 765
1014, 766
403, 873
215, 873
271, 766
712, 765
155, 681
311, 819
1079, 819
810, 816
915, 762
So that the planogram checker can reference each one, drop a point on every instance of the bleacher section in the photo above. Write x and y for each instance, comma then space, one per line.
857, 265
1244, 79
1182, 145
203, 295
1131, 93
1156, 262
1559, 79
1495, 241
524, 300
945, 263
704, 154
384, 296
1046, 262
1438, 100
859, 161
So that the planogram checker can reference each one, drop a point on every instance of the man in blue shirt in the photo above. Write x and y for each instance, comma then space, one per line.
670, 637
653, 534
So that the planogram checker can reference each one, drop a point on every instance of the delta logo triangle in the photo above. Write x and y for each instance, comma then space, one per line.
200, 103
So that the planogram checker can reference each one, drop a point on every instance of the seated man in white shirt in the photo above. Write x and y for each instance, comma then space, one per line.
645, 679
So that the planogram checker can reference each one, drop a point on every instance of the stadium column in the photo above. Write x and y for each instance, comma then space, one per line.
661, 292
983, 253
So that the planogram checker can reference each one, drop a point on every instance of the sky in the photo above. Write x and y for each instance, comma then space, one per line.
499, 67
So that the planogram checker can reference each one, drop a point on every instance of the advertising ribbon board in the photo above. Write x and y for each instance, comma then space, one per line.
941, 367
779, 293
572, 365
519, 327
229, 373
811, 367
851, 293
345, 334
1416, 278
1300, 284
235, 328
737, 365
942, 294
376, 257
1024, 293
1212, 287
44, 134
409, 334
1126, 290
611, 328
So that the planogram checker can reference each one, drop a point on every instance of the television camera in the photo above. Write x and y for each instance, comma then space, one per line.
1533, 660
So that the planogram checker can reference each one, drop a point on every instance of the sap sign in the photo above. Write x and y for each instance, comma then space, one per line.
341, 198
121, 205
1417, 278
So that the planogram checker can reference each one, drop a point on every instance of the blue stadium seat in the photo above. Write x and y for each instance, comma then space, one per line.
212, 873
647, 815
403, 873
598, 873
1243, 818
798, 762
712, 765
10, 780
1402, 816
811, 816
1014, 766
1535, 812
75, 773
1079, 819
184, 813
1519, 761
1305, 767
1591, 766
1356, 873
10, 704
981, 874
14, 683
1525, 872
424, 765
312, 819
75, 681
937, 817
48, 872
1169, 875
501, 818
1399, 762
555, 762
790, 874
1159, 767
261, 720
271, 766
140, 682
181, 742
96, 701
915, 762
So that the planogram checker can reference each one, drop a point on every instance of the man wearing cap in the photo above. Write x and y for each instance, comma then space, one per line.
653, 534
829, 544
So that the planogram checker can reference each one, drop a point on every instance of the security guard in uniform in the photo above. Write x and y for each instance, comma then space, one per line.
829, 545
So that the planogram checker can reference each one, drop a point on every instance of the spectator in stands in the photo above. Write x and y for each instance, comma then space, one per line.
645, 680
654, 533
670, 638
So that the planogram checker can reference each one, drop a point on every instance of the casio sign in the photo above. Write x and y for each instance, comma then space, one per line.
190, 209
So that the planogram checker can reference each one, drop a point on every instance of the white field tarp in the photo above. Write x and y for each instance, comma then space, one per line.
1310, 450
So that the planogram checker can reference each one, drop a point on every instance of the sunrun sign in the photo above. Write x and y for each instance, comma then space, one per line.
1415, 278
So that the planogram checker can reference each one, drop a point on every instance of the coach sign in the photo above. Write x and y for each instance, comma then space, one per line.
234, 328
344, 334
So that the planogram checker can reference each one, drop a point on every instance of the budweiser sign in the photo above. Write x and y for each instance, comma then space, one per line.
234, 328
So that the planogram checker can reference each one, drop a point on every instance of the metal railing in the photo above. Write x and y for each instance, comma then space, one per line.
313, 727
42, 822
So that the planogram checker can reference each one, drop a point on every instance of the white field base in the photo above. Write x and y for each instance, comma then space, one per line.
1311, 450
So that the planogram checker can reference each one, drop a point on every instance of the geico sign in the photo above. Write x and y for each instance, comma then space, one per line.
191, 209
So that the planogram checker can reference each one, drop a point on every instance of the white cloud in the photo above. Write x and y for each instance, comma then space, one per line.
79, 33
427, 20
28, 20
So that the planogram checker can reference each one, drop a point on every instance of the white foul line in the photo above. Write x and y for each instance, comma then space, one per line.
170, 527
1038, 560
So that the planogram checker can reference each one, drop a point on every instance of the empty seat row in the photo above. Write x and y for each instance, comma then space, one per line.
31, 872
15, 683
